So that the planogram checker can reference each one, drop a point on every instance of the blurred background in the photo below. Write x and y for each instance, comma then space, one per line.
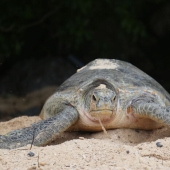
42, 43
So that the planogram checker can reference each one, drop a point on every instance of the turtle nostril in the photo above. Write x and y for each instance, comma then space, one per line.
105, 99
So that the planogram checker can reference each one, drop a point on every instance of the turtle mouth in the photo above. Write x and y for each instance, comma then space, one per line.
99, 113
105, 115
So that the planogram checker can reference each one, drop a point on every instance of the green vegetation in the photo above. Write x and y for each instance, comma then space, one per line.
82, 27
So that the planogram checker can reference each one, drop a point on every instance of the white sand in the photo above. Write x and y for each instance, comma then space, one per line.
127, 149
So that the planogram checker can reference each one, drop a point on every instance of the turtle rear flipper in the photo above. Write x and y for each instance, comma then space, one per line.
153, 111
40, 133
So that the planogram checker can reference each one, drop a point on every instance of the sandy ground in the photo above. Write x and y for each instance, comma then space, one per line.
13, 105
126, 149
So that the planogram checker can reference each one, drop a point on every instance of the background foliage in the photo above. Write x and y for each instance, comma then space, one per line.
36, 38
82, 27
135, 31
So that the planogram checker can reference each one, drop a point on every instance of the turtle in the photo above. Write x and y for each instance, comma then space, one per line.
104, 94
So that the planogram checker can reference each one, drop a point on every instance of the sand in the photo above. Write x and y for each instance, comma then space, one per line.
126, 149
13, 105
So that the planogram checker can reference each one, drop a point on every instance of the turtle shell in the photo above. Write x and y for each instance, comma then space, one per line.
120, 75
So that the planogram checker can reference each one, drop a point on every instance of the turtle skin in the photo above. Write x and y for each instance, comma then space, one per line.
108, 91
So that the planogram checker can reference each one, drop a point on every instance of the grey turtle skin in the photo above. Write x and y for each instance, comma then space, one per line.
112, 92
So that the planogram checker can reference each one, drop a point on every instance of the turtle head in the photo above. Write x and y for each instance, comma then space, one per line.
101, 103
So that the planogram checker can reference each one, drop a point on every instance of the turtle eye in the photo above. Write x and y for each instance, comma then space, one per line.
114, 98
94, 98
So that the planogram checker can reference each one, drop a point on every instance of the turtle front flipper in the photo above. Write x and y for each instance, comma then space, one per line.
48, 130
40, 133
17, 138
152, 111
